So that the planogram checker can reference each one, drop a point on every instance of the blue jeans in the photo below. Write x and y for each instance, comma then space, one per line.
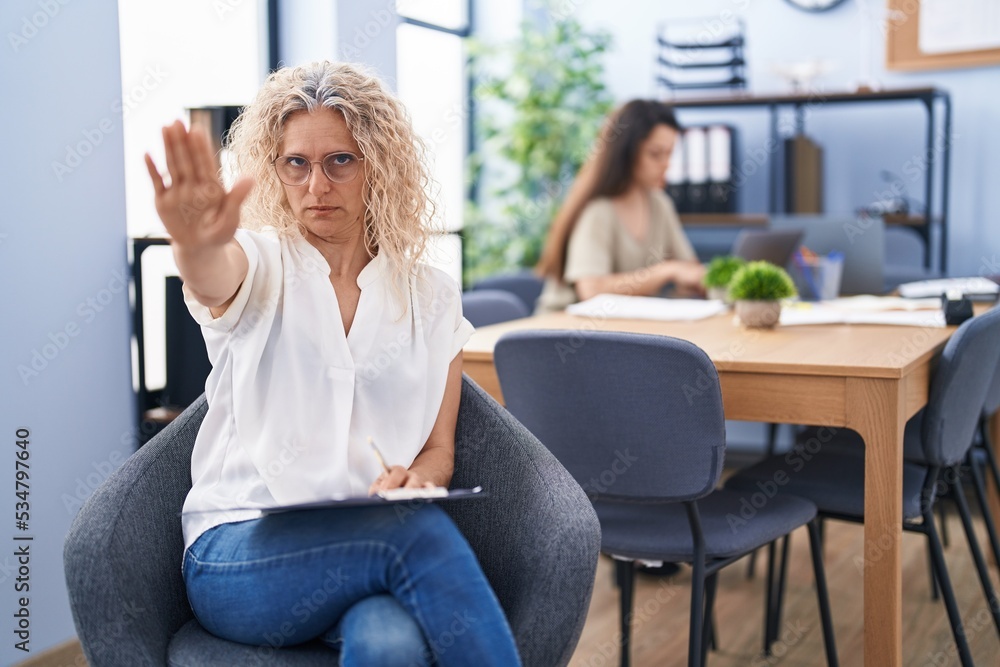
382, 588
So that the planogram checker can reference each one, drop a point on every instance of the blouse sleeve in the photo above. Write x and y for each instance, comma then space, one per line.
590, 249
463, 330
441, 301
203, 315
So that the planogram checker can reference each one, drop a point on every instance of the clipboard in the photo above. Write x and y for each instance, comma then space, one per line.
413, 495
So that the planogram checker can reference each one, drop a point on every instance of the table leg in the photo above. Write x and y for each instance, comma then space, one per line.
876, 409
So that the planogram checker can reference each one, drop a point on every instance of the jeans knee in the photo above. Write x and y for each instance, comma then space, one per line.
391, 649
379, 632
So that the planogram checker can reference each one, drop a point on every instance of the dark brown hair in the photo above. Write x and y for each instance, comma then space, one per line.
607, 173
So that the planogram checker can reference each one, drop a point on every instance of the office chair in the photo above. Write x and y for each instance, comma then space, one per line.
637, 420
535, 534
936, 442
485, 307
984, 450
525, 285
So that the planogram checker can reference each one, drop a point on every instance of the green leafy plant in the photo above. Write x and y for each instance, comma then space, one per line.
761, 281
721, 269
542, 117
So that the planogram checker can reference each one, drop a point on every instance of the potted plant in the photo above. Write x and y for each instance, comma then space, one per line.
757, 289
720, 271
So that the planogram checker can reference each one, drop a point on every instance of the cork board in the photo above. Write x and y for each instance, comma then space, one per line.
903, 44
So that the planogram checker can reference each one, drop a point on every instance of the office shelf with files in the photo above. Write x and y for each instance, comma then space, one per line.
936, 156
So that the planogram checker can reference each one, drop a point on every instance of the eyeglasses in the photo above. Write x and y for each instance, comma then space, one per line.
296, 170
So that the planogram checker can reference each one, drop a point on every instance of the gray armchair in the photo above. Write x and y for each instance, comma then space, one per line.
536, 536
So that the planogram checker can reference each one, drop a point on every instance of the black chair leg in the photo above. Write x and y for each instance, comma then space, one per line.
822, 595
977, 555
695, 632
752, 563
984, 506
947, 592
769, 601
772, 438
935, 591
625, 576
943, 519
779, 598
709, 631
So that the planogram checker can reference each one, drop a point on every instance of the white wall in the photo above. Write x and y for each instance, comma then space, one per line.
360, 31
307, 31
176, 55
366, 33
65, 305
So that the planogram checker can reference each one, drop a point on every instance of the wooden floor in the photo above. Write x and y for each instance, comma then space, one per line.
660, 628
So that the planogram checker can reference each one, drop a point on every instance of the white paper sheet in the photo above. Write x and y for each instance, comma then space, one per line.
619, 306
803, 314
929, 288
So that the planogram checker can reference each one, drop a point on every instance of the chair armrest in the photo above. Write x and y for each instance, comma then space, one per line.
122, 556
536, 534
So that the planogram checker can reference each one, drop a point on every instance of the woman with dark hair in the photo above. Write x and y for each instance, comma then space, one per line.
618, 232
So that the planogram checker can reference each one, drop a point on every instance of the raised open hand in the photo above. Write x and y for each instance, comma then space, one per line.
194, 207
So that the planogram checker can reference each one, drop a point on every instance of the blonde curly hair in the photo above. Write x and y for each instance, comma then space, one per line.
398, 208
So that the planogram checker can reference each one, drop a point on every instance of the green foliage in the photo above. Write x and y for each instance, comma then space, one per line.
548, 111
721, 269
761, 281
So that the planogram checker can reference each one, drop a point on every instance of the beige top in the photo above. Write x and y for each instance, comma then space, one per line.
600, 245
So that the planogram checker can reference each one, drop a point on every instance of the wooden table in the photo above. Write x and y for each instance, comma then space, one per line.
867, 378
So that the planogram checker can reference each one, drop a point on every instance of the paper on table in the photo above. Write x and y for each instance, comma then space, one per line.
801, 314
871, 304
619, 306
929, 288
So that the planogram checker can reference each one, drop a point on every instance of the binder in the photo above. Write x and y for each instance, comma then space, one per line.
700, 176
437, 494
720, 170
696, 152
677, 176
803, 175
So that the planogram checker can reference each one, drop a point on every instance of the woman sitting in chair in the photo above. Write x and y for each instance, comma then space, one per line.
617, 232
324, 330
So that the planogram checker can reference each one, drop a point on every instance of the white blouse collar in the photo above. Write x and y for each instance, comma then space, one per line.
373, 270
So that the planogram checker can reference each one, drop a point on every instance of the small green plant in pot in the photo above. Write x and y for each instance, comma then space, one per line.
757, 290
718, 275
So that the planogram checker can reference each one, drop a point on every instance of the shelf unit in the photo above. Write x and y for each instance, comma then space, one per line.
930, 98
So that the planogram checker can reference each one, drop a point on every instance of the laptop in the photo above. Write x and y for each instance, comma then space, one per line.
770, 245
862, 241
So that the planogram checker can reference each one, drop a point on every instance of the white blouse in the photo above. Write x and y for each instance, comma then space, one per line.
292, 400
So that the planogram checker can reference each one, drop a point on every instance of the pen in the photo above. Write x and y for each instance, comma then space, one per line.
378, 454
